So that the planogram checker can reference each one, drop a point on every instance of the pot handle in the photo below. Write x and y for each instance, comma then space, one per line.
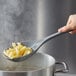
64, 70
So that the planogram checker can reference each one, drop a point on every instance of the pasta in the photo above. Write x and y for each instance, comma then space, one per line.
17, 50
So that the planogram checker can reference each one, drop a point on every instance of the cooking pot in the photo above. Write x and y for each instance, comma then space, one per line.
39, 64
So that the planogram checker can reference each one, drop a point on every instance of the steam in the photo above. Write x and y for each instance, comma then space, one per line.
10, 10
16, 17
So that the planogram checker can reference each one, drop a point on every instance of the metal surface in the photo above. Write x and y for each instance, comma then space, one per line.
22, 20
38, 65
65, 74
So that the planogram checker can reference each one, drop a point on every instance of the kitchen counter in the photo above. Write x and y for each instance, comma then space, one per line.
65, 74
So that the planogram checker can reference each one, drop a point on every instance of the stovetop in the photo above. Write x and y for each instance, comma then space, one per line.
64, 74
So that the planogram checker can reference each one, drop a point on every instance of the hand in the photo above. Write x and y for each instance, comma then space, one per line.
71, 25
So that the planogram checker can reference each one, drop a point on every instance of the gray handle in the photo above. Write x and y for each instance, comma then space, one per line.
65, 67
38, 44
53, 36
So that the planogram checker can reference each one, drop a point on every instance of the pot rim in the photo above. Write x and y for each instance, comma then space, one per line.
39, 69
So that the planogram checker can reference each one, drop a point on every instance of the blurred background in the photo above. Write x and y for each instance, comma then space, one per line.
22, 20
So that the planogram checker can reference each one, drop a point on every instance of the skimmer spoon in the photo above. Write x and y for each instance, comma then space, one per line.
35, 46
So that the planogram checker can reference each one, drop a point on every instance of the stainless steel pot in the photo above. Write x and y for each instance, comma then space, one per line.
38, 65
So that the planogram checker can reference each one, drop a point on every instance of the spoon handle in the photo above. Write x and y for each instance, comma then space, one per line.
38, 44
52, 36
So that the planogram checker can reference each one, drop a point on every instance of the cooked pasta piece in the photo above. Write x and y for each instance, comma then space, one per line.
17, 50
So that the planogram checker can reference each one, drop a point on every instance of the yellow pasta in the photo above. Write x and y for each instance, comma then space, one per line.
17, 50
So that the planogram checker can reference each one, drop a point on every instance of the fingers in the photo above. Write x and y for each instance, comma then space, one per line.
64, 29
67, 27
69, 20
73, 32
70, 25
